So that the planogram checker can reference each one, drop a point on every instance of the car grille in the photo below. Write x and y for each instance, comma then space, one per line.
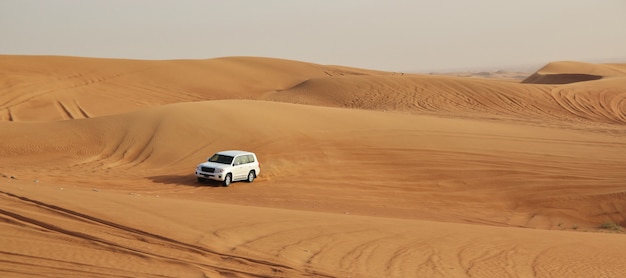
208, 169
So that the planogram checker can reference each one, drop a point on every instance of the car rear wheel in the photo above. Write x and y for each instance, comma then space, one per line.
251, 176
228, 179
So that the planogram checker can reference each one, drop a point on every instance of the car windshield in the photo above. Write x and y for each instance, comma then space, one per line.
223, 159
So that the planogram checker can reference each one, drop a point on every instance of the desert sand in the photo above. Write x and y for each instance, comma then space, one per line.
365, 173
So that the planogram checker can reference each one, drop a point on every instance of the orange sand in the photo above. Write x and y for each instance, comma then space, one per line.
364, 173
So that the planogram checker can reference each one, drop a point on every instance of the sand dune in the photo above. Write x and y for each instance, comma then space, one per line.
59, 88
593, 102
365, 173
571, 72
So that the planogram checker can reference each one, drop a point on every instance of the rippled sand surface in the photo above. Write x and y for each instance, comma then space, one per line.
364, 173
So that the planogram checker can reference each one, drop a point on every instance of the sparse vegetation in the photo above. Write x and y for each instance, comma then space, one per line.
575, 227
611, 226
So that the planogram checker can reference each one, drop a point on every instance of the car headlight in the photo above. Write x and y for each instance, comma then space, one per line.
219, 170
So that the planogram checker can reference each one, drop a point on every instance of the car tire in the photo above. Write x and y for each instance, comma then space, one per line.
228, 179
251, 176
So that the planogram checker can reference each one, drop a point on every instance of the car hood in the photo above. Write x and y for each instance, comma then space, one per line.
213, 165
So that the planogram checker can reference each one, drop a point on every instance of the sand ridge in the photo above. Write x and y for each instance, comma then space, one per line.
365, 173
57, 88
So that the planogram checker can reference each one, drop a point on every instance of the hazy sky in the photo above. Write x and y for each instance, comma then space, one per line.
386, 35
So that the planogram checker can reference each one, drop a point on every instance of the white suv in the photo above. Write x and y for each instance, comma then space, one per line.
229, 166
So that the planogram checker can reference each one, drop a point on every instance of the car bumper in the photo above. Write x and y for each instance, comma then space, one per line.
211, 176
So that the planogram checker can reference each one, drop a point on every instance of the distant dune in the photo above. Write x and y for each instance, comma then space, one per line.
365, 173
58, 88
572, 72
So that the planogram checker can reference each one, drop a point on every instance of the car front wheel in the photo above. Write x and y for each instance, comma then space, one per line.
228, 179
251, 176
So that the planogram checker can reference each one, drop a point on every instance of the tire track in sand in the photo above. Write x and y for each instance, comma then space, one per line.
226, 264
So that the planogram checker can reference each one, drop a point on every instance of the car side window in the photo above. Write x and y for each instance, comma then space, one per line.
239, 160
250, 158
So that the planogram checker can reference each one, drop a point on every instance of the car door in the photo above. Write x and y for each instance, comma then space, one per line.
239, 168
253, 164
